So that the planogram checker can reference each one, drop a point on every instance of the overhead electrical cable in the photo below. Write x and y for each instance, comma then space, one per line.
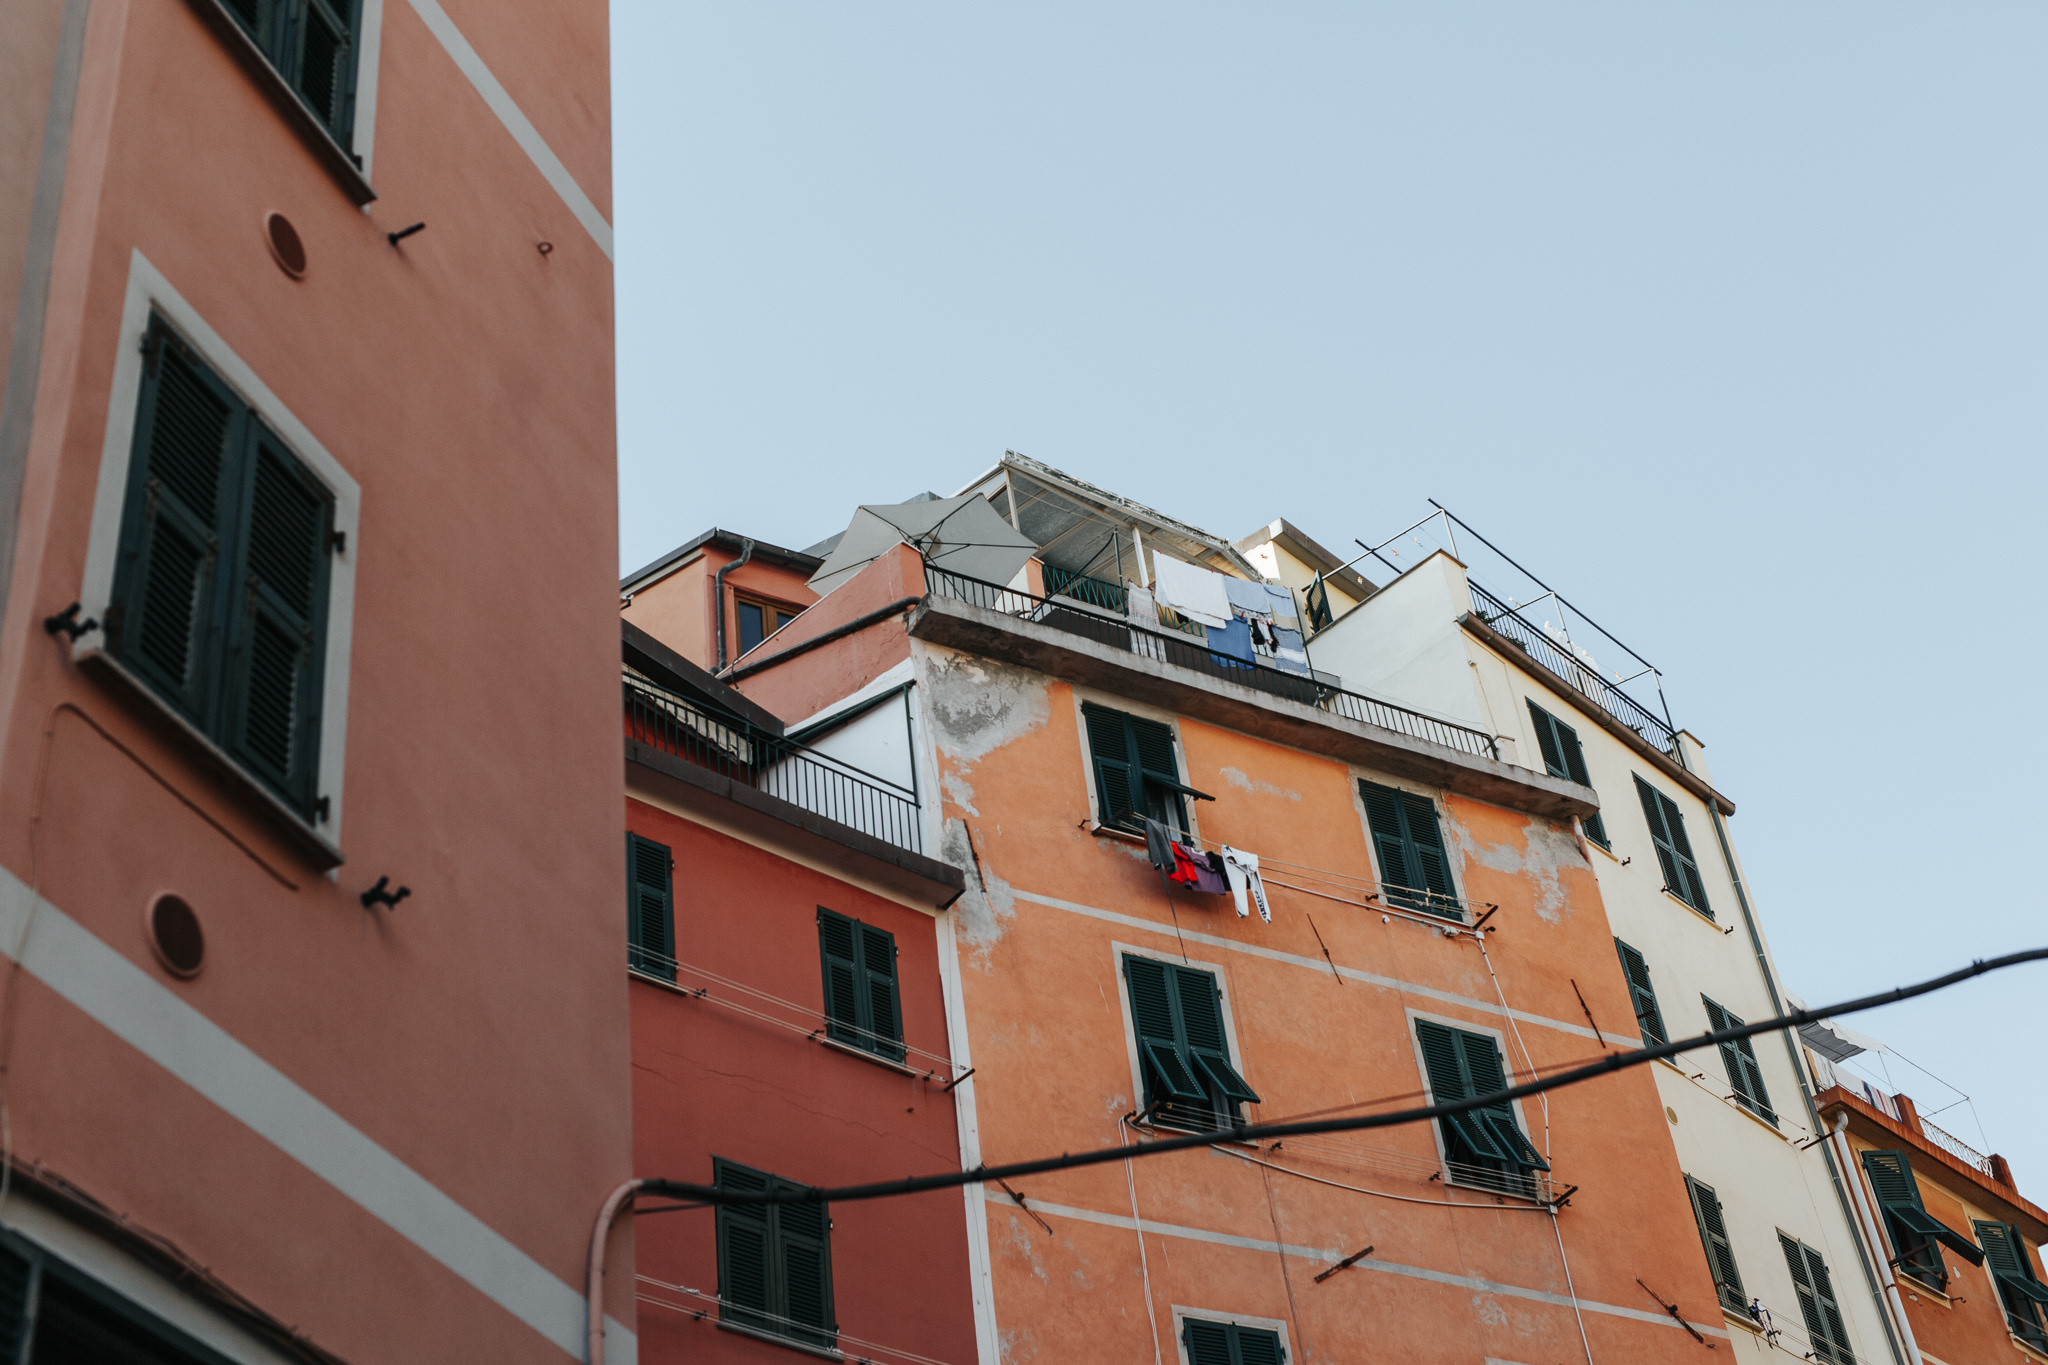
1246, 1132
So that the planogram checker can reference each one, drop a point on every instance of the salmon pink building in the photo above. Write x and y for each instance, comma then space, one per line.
315, 1041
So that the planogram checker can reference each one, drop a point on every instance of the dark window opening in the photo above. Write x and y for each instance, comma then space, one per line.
1230, 1343
1135, 772
650, 908
759, 620
2019, 1291
862, 1003
312, 44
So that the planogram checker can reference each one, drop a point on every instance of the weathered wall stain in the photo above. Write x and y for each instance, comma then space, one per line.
1545, 850
1237, 777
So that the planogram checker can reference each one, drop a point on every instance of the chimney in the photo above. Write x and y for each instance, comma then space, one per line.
2001, 1172
1908, 1114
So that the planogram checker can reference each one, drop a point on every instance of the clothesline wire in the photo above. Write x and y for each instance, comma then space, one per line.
912, 1357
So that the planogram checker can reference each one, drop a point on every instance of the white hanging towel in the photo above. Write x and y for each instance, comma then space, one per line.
1191, 590
1242, 870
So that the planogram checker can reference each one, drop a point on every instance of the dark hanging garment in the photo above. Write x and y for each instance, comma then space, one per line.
1231, 643
1159, 845
1201, 871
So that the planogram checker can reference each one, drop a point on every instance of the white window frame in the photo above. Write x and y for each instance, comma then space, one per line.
1181, 1313
369, 44
150, 294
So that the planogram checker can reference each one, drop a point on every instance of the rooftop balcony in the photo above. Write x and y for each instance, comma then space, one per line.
1083, 635
1557, 657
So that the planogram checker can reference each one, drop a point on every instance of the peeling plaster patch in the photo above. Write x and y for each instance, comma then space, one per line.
985, 909
1489, 1311
1238, 778
959, 790
1546, 849
977, 706
1020, 1242
1016, 1344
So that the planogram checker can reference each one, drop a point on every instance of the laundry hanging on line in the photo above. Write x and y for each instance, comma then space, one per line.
1242, 871
1191, 590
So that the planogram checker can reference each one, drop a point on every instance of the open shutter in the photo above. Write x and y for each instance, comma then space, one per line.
2021, 1294
878, 987
181, 492
846, 1015
1169, 1071
744, 1250
1562, 757
1913, 1229
1648, 1018
650, 908
1484, 1074
1383, 815
1546, 740
803, 1240
1430, 858
1660, 835
1158, 773
1117, 792
1706, 1212
1201, 1015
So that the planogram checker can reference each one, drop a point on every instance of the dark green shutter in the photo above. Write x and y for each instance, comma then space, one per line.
221, 581
181, 493
1916, 1234
1706, 1212
650, 908
2012, 1270
1562, 757
1648, 1018
1415, 868
17, 1283
1824, 1327
1738, 1058
1674, 850
1116, 780
1219, 1343
1178, 1014
774, 1260
1459, 1066
311, 44
862, 1006
1135, 771
278, 620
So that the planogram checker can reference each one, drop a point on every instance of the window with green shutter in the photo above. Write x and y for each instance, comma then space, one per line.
862, 1007
1484, 1146
1637, 972
1230, 1343
221, 580
1745, 1076
1183, 1050
1562, 757
650, 908
1706, 1213
1415, 869
2019, 1291
1674, 850
1825, 1330
1135, 772
774, 1260
312, 44
1916, 1235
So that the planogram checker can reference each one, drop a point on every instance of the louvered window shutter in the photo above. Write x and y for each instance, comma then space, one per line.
1738, 1059
803, 1238
1117, 794
17, 1280
278, 621
839, 947
1546, 740
1257, 1346
322, 69
1461, 1065
1170, 1076
745, 1250
1706, 1212
164, 621
1415, 869
884, 1020
650, 908
1201, 1016
1152, 745
1674, 850
2022, 1295
1916, 1235
1823, 1316
1208, 1343
1648, 1018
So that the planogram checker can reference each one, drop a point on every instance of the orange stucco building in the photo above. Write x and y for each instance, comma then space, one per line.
308, 410
1094, 1003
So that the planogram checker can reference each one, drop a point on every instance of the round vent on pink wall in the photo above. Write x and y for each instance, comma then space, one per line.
285, 247
175, 934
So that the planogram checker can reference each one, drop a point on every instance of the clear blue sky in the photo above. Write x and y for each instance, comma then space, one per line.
1727, 320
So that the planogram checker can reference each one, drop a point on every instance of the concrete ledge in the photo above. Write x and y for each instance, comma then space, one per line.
1593, 711
691, 786
976, 630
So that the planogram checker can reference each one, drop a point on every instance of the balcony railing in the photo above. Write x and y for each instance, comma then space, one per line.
1538, 645
796, 773
1957, 1148
1112, 628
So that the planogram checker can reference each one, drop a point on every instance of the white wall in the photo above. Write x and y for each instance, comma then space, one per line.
1402, 645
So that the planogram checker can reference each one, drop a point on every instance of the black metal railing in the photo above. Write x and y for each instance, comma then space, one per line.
780, 767
1096, 592
1534, 641
1116, 631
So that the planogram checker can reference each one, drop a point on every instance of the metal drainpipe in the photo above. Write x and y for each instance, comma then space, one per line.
594, 1283
1868, 1223
718, 596
1842, 1197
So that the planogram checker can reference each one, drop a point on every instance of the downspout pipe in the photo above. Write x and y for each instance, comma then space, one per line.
1870, 1226
1835, 1173
594, 1286
718, 596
